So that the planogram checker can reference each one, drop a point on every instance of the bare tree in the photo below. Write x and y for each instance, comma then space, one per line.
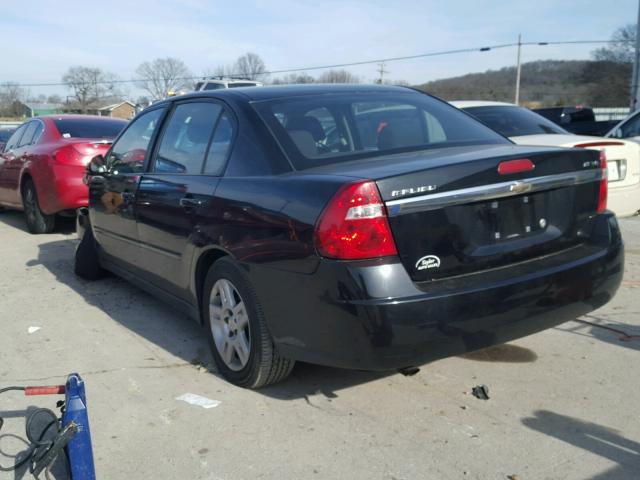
10, 94
90, 86
54, 99
292, 78
163, 75
623, 46
250, 66
338, 76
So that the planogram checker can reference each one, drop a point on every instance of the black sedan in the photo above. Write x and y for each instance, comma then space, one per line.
362, 227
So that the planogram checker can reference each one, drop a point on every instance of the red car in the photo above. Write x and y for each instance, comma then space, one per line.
43, 162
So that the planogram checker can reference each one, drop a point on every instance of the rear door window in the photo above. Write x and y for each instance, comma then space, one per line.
128, 153
186, 137
28, 134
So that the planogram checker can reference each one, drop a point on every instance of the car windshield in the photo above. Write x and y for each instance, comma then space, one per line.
5, 133
321, 129
89, 127
514, 121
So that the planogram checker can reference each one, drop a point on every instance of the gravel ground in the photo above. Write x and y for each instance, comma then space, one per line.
564, 402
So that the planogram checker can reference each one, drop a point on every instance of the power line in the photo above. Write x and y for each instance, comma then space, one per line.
348, 64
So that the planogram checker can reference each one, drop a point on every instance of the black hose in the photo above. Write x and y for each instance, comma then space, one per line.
37, 448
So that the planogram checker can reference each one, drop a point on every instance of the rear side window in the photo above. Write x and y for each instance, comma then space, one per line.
28, 134
185, 139
89, 127
128, 153
322, 129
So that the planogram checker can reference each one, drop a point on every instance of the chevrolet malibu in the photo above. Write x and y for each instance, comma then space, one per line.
362, 227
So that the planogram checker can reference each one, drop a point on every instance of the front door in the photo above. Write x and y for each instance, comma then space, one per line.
178, 190
112, 195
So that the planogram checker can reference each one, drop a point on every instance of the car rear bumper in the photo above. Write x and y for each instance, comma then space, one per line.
63, 190
370, 315
624, 201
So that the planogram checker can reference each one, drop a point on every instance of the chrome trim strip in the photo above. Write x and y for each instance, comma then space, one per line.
434, 201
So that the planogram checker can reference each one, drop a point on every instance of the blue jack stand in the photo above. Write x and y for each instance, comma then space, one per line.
73, 436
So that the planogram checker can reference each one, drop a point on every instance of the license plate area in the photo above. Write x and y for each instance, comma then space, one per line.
516, 217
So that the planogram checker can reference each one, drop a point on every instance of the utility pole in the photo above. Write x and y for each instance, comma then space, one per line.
635, 83
381, 71
517, 101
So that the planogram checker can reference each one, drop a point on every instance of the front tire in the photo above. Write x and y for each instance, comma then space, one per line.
241, 344
87, 261
37, 221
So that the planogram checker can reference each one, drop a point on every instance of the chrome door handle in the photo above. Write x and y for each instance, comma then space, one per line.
188, 202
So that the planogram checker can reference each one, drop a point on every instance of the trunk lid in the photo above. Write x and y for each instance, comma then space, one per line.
452, 213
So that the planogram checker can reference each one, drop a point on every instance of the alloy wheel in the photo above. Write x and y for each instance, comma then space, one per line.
229, 325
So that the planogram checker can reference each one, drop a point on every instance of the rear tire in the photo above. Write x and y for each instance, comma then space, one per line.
37, 221
240, 342
87, 261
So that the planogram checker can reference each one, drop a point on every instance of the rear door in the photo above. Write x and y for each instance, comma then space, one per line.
179, 187
112, 195
10, 156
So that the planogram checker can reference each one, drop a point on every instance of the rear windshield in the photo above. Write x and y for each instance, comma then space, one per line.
241, 84
320, 129
514, 121
89, 127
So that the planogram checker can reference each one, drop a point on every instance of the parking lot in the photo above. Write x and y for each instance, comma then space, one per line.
563, 403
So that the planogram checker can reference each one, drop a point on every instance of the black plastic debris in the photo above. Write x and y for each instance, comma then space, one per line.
481, 392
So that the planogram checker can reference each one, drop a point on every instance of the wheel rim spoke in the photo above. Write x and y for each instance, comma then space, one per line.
227, 351
241, 316
242, 348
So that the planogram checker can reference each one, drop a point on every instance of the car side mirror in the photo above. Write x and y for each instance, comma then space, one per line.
96, 165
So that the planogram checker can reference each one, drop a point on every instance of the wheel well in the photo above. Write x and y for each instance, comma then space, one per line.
202, 268
25, 177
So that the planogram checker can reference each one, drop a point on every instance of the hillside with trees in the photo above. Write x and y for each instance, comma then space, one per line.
599, 83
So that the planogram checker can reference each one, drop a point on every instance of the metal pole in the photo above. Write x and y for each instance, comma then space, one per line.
517, 102
635, 86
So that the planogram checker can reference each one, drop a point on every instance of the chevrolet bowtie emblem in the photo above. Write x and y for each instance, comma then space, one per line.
520, 187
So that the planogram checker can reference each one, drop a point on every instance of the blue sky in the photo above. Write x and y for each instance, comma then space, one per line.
48, 37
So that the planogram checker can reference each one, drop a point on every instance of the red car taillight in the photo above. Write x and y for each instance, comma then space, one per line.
69, 155
602, 196
354, 225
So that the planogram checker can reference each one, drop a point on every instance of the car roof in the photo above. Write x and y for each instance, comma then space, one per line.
76, 116
480, 103
278, 91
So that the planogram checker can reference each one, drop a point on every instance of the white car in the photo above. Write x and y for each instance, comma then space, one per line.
524, 127
218, 83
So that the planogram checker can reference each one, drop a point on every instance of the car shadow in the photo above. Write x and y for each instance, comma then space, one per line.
505, 353
15, 219
176, 333
616, 333
597, 439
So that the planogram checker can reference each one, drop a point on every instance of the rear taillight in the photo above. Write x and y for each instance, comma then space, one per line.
602, 196
354, 225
